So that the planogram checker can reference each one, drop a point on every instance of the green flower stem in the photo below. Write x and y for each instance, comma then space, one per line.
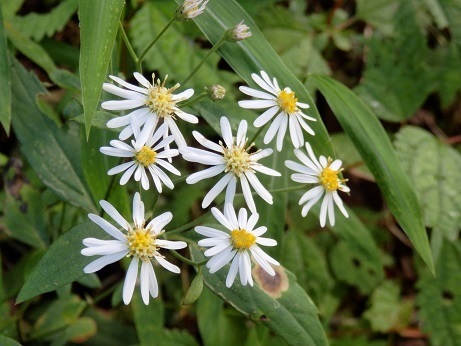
186, 260
198, 98
143, 54
211, 51
128, 44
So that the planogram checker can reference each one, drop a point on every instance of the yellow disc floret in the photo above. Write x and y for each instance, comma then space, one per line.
146, 156
287, 101
329, 178
160, 99
237, 160
242, 240
141, 243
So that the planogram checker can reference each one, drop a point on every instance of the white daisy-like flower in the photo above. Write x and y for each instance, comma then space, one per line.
146, 157
139, 242
153, 100
190, 9
234, 159
236, 245
282, 103
325, 173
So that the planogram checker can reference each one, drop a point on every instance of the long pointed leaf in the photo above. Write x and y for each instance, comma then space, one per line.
372, 142
5, 82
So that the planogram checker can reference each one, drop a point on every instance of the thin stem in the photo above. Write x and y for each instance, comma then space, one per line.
257, 134
186, 260
143, 54
191, 102
128, 44
211, 51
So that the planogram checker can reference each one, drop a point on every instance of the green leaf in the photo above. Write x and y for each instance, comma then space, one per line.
62, 263
434, 168
439, 298
388, 312
100, 120
396, 85
99, 21
5, 81
148, 319
281, 304
53, 153
376, 150
37, 26
378, 13
5, 341
195, 289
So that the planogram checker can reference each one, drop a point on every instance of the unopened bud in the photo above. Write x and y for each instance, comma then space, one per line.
238, 32
216, 92
190, 9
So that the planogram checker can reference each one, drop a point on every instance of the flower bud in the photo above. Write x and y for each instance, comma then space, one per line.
216, 92
190, 9
238, 32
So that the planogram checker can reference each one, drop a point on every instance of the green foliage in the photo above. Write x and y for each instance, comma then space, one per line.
434, 168
5, 82
97, 37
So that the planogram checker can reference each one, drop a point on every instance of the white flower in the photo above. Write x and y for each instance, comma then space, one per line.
238, 32
153, 100
139, 242
190, 9
233, 158
282, 103
236, 245
145, 157
323, 172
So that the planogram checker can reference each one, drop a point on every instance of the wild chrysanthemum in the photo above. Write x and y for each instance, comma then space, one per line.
234, 159
282, 103
153, 100
236, 245
325, 173
146, 157
139, 242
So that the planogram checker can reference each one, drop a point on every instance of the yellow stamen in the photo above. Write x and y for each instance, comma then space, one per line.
329, 178
237, 159
141, 243
287, 101
242, 240
146, 156
160, 99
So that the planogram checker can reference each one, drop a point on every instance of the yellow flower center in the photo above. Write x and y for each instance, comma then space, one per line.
242, 240
287, 101
141, 243
160, 99
146, 156
237, 160
329, 179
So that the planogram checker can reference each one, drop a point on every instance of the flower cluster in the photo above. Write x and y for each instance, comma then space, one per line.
152, 110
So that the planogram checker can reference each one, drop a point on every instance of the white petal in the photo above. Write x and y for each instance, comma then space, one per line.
304, 178
120, 168
142, 80
158, 223
103, 261
245, 269
206, 143
209, 242
184, 95
256, 93
336, 165
206, 173
272, 130
222, 219
118, 122
216, 190
265, 117
216, 249
130, 281
230, 190
128, 85
171, 245
211, 232
339, 203
190, 118
167, 265
281, 132
296, 133
127, 175
138, 210
168, 166
260, 231
304, 125
107, 227
247, 194
144, 278
258, 187
105, 249
331, 210
242, 133
226, 131
232, 272
312, 193
178, 137
312, 156
257, 104
127, 94
220, 260
266, 170
261, 260
229, 213
309, 205
263, 84
266, 241
153, 285
253, 219
121, 104
324, 210
243, 218
315, 166
297, 167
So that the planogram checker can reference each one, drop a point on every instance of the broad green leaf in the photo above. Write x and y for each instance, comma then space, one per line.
439, 298
63, 263
434, 168
53, 153
25, 217
100, 120
280, 304
5, 81
77, 332
148, 319
6, 341
10, 7
388, 311
99, 21
37, 26
395, 86
376, 150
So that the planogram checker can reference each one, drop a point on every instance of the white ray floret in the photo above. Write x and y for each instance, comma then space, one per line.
236, 245
281, 104
139, 241
149, 101
325, 174
234, 160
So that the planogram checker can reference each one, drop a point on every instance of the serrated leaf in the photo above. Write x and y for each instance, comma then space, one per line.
5, 81
388, 312
62, 263
99, 21
434, 168
372, 142
53, 153
37, 26
439, 298
396, 85
287, 311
